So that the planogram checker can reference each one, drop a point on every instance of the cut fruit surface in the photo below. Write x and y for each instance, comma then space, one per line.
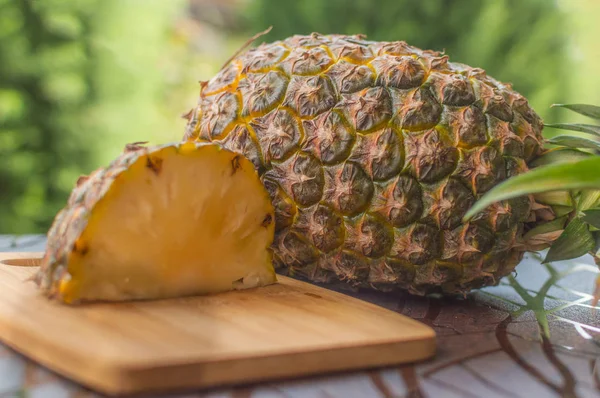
160, 222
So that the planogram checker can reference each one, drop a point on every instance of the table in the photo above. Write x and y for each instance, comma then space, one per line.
535, 335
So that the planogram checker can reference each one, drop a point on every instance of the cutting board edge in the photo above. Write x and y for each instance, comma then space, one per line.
119, 378
116, 381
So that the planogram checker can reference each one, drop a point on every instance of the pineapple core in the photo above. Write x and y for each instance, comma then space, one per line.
183, 220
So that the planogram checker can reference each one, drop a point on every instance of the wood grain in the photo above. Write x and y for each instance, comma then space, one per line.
285, 330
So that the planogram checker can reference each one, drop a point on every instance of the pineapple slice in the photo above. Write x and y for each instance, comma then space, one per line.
161, 222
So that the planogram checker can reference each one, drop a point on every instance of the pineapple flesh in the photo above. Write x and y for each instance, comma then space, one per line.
159, 222
372, 152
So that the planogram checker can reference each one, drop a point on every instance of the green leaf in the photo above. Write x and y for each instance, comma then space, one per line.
560, 155
575, 142
559, 177
575, 241
588, 199
592, 217
583, 109
555, 198
555, 225
584, 128
562, 210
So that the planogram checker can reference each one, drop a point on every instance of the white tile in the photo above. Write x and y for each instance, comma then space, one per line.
12, 373
354, 386
51, 390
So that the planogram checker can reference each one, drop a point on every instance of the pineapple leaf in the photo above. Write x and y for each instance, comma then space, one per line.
562, 210
584, 128
583, 109
588, 199
551, 226
575, 241
582, 174
574, 142
592, 217
555, 198
560, 155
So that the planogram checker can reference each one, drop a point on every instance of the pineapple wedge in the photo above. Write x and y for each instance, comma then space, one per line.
161, 222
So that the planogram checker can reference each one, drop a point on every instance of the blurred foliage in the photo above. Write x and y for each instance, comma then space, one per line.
74, 75
584, 53
516, 41
45, 66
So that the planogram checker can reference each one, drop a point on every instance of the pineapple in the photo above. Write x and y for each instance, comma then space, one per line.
372, 153
163, 221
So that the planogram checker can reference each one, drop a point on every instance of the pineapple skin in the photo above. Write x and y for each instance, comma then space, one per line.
70, 222
372, 152
70, 239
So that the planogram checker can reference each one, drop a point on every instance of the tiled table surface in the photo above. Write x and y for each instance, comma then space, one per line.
535, 335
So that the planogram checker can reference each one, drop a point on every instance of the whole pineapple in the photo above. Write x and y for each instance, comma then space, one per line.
372, 152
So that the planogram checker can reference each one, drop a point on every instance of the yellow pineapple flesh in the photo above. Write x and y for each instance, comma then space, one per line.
167, 221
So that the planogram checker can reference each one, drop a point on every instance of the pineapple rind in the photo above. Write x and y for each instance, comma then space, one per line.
372, 152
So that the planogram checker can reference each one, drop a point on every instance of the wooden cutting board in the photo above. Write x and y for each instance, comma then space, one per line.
285, 330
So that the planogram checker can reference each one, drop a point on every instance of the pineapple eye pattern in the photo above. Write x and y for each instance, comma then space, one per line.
400, 72
328, 138
310, 95
262, 92
372, 152
367, 109
278, 134
349, 78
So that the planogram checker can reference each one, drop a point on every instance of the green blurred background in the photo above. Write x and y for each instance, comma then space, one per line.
80, 78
